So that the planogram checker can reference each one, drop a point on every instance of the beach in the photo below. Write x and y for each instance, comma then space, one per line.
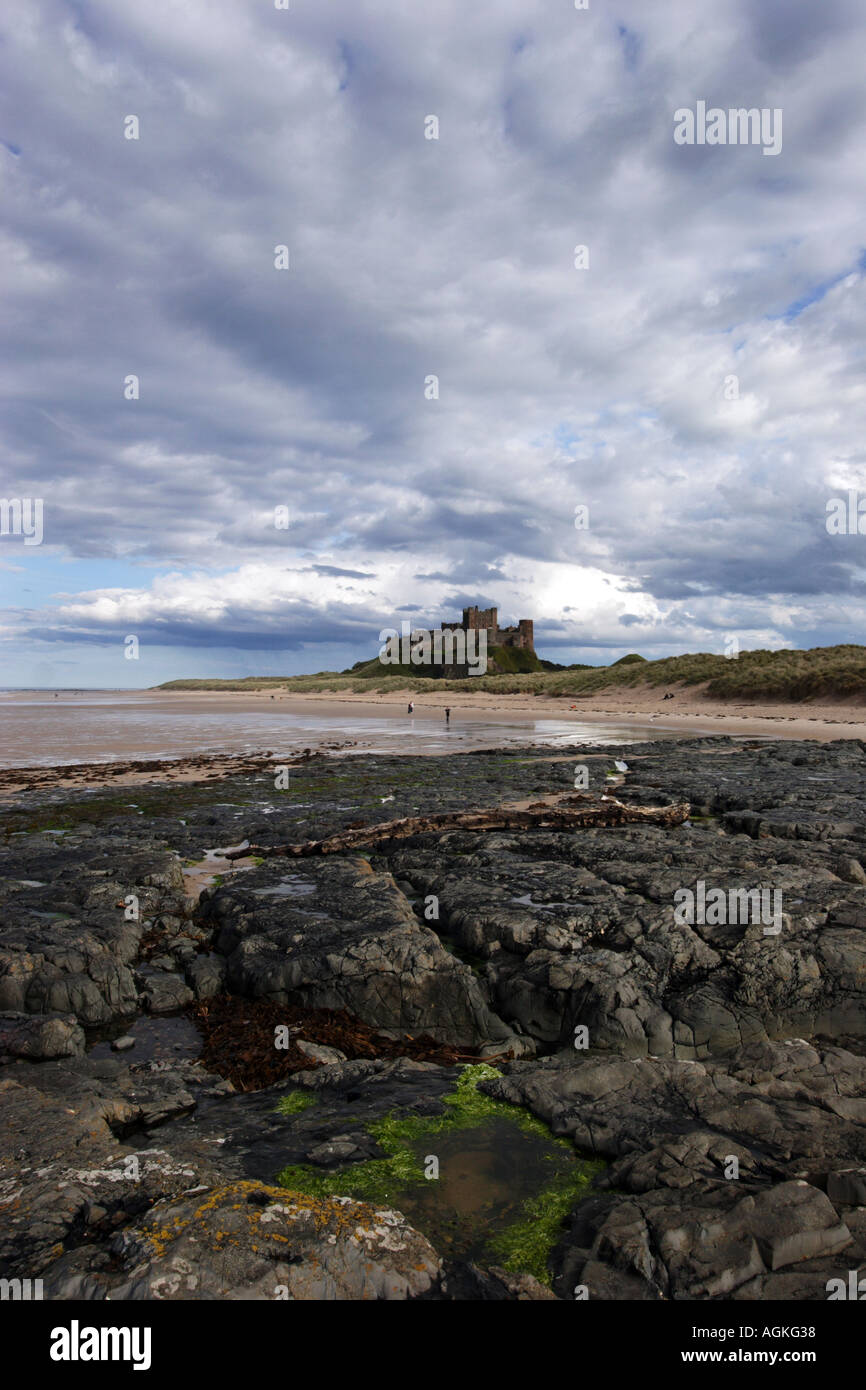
127, 738
690, 711
68, 739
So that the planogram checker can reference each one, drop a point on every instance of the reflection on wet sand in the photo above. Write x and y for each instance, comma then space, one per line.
105, 727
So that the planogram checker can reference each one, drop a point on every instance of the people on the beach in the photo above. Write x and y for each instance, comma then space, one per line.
447, 715
411, 706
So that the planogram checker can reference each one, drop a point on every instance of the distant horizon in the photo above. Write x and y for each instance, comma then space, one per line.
263, 675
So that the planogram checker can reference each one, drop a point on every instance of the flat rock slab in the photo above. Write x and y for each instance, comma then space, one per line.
66, 943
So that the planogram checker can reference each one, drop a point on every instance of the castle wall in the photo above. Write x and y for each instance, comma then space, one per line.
476, 619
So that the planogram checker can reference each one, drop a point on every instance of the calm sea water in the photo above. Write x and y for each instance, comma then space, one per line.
41, 729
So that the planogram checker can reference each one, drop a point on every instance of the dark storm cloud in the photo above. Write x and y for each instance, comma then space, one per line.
344, 574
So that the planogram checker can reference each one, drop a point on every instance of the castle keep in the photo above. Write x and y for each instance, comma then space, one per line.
474, 619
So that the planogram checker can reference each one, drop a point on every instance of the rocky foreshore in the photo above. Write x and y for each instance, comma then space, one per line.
479, 1064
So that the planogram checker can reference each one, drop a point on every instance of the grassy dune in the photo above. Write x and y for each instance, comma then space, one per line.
759, 675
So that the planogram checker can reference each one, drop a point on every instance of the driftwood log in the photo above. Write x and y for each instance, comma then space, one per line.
571, 812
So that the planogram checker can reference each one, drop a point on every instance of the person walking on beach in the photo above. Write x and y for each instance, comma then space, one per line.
447, 715
411, 706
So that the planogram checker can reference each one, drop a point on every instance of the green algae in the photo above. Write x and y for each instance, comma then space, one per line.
532, 1196
294, 1103
525, 1246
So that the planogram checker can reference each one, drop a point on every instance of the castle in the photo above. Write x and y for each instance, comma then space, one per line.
474, 619
461, 649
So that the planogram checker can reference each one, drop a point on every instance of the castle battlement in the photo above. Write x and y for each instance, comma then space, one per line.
476, 619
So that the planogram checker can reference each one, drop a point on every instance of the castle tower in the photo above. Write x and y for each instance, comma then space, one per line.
476, 618
526, 628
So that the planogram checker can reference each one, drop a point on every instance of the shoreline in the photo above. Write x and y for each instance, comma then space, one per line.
637, 714
692, 713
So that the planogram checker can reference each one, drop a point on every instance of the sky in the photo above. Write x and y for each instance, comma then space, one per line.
254, 470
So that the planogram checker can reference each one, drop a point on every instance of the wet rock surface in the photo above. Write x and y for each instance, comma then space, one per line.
68, 938
720, 1066
341, 936
733, 1182
582, 931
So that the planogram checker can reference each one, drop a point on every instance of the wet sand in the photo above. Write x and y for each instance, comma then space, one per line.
689, 712
128, 738
125, 733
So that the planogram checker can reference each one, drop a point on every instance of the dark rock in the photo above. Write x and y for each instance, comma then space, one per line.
206, 976
40, 1036
339, 936
847, 1186
162, 993
735, 1144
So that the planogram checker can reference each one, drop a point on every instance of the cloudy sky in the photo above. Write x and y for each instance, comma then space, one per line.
698, 385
